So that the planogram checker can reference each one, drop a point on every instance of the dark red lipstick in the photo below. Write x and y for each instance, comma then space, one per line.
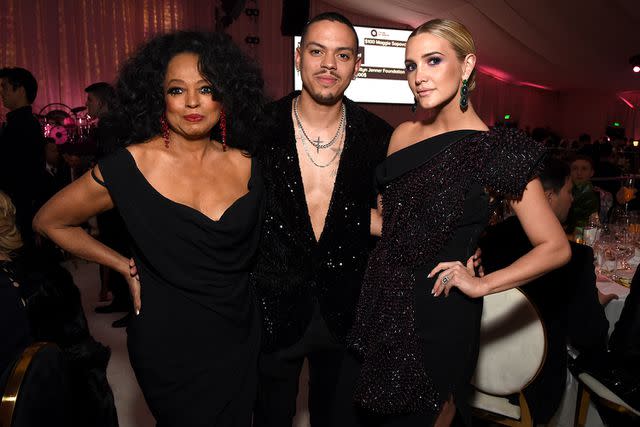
193, 117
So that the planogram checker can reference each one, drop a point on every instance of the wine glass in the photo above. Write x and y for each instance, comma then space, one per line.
618, 217
605, 256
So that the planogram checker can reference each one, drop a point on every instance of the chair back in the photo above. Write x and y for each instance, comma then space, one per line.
512, 344
36, 392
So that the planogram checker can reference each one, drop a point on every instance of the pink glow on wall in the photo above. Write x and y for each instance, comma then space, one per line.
496, 73
626, 102
503, 76
535, 85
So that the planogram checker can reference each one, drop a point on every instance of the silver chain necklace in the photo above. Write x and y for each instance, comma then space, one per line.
306, 151
318, 144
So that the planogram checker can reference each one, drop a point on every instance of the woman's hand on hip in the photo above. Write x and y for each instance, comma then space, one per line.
455, 274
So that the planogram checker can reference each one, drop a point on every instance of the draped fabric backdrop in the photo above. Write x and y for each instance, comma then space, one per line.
69, 44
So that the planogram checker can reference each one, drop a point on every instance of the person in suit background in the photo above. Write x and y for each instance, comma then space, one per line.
54, 175
21, 147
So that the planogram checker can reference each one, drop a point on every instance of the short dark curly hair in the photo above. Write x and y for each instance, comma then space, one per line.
237, 83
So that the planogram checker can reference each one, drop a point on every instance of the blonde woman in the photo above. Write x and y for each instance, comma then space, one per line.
417, 348
14, 328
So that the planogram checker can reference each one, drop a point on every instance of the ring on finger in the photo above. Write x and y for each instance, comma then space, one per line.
445, 279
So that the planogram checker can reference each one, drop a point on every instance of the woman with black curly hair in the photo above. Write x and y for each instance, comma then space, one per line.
188, 190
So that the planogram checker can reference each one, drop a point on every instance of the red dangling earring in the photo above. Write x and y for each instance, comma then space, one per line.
223, 129
164, 127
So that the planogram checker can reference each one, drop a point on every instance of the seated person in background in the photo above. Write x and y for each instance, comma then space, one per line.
14, 326
625, 339
624, 346
78, 158
566, 298
54, 314
583, 145
606, 168
585, 199
619, 368
55, 173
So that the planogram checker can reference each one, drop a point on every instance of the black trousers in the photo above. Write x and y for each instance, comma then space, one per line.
279, 372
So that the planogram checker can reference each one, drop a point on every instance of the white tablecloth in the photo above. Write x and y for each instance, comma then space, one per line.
566, 412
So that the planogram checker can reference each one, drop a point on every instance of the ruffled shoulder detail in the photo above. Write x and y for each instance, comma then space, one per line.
513, 160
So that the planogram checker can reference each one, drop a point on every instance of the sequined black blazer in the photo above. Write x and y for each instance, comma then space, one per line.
293, 271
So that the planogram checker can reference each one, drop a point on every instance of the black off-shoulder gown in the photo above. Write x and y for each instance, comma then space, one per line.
194, 345
417, 350
447, 327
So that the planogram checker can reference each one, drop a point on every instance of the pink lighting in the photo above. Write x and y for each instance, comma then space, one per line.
496, 73
503, 76
636, 69
626, 102
537, 86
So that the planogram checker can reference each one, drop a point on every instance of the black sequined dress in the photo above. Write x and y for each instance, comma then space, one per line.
415, 349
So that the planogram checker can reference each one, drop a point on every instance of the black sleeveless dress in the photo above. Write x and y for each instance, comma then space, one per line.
194, 345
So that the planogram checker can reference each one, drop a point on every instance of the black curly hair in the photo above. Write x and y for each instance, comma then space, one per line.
237, 83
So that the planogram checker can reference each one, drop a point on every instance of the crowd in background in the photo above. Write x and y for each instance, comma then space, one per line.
33, 168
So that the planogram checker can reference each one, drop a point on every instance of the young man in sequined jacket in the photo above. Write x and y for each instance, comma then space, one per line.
318, 164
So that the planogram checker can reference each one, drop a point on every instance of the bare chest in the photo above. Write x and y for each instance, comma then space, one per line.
318, 169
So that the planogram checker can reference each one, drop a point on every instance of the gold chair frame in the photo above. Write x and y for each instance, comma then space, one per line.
14, 382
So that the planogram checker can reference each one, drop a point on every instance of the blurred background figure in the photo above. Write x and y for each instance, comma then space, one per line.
14, 326
585, 199
106, 136
21, 152
54, 175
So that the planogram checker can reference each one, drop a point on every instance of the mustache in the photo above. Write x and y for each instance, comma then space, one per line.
331, 73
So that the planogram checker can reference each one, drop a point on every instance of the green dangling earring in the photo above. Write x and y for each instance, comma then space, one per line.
464, 98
